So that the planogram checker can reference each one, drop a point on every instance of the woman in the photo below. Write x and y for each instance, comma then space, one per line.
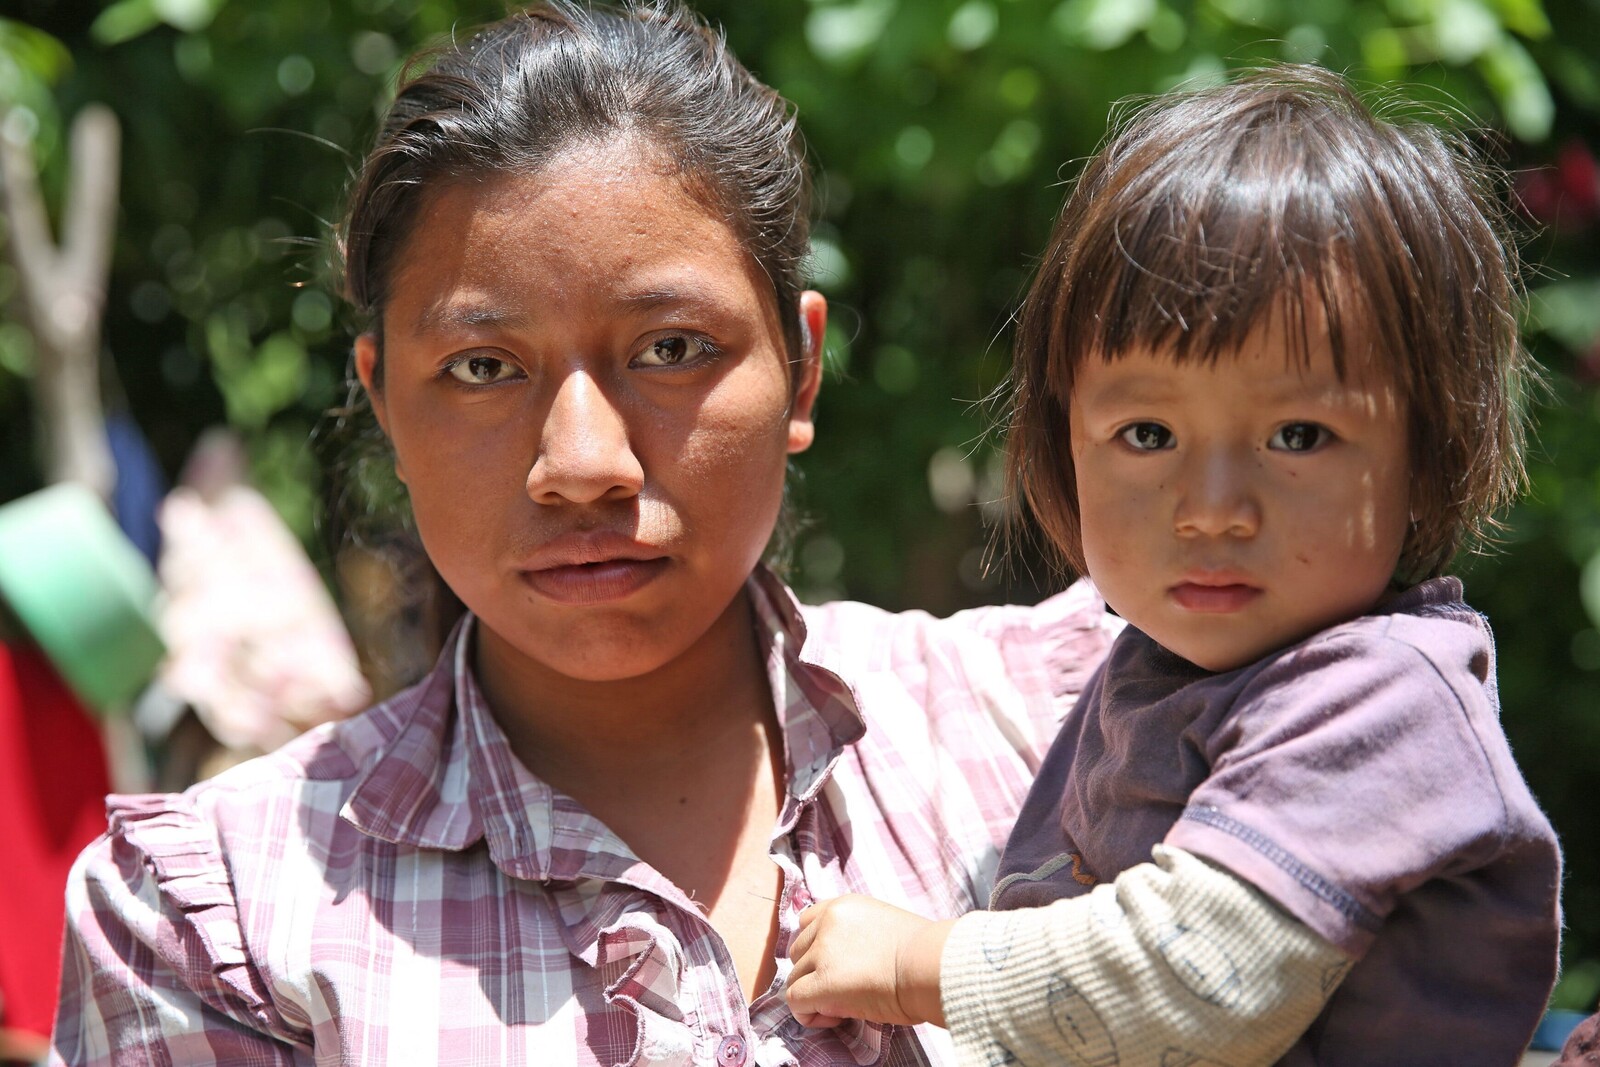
585, 836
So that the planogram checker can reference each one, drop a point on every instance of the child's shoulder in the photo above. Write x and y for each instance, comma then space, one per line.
1428, 625
1418, 672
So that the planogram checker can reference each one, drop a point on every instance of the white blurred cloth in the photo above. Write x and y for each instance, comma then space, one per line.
255, 642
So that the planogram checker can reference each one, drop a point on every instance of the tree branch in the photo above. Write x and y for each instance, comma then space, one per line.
63, 292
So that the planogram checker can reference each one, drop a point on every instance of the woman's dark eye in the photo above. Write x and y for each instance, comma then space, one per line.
482, 370
674, 350
1147, 436
1298, 437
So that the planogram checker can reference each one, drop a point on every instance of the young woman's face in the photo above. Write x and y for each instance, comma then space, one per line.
587, 390
1231, 509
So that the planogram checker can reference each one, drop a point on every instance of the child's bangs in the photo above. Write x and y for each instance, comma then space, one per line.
1200, 296
1199, 228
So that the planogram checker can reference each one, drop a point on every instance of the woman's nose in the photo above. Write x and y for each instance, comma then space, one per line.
585, 452
1219, 495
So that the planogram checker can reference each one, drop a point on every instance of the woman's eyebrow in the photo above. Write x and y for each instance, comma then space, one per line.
700, 298
446, 316
450, 315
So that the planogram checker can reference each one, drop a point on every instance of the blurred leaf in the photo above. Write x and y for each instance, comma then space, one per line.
1589, 588
828, 268
188, 15
1462, 30
1526, 17
972, 25
16, 350
843, 33
1102, 24
1384, 50
125, 20
1567, 311
26, 52
1519, 85
31, 61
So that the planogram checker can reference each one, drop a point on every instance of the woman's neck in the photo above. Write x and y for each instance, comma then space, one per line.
685, 765
566, 730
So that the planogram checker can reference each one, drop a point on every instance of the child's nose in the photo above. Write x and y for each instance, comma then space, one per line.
1218, 497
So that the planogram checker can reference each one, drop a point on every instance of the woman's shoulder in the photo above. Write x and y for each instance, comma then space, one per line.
245, 808
194, 878
982, 681
1071, 625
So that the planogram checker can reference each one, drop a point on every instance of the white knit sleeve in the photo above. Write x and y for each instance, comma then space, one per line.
1176, 962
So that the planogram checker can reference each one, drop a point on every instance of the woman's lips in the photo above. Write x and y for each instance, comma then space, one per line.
1213, 599
594, 583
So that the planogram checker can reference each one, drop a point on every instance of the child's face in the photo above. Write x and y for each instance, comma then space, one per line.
1232, 509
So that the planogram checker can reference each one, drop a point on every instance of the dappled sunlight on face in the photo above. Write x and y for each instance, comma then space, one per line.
1232, 508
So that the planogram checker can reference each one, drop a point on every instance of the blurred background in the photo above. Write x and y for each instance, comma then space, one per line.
942, 132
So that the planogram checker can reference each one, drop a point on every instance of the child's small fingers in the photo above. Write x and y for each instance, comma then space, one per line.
808, 915
802, 942
799, 991
794, 992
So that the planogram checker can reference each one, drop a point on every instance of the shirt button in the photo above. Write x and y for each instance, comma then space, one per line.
799, 898
732, 1052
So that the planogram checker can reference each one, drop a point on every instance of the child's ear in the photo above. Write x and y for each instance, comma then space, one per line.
813, 329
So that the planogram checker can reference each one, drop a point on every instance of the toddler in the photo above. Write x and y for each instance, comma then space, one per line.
1267, 384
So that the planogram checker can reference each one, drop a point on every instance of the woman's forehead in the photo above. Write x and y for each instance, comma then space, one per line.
602, 225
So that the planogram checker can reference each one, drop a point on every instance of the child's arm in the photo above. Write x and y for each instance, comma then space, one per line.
1177, 961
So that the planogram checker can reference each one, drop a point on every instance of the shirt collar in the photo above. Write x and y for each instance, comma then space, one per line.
446, 778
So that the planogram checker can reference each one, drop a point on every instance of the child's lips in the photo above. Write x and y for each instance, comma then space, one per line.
1213, 598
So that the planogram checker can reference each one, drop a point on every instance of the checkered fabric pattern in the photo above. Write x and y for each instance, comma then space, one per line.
397, 888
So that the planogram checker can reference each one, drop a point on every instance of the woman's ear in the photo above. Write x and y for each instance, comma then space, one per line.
369, 372
813, 329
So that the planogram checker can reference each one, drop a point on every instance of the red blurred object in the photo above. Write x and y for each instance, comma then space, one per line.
1579, 179
1565, 196
1587, 366
53, 780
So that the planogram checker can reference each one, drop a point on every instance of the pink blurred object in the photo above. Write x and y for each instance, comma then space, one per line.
256, 644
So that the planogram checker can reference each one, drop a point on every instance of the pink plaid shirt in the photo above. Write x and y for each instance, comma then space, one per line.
398, 889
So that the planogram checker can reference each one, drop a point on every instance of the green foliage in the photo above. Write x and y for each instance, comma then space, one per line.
943, 131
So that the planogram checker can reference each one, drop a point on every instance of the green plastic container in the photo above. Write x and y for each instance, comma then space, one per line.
82, 591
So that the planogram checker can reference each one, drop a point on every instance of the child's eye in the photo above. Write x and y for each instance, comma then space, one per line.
481, 370
675, 350
1299, 437
1147, 436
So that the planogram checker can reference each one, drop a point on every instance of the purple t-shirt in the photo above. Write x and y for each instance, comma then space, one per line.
1360, 779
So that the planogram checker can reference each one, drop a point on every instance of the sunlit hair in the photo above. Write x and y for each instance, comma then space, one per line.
517, 93
1283, 194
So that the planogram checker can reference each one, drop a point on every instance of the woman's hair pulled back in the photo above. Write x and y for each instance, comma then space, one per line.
560, 73
1284, 194
508, 100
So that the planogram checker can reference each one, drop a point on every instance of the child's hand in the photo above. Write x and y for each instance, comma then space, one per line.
859, 958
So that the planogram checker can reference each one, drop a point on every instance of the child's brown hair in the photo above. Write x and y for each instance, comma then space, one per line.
1282, 193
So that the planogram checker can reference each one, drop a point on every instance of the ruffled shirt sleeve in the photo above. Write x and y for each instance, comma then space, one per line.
154, 966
